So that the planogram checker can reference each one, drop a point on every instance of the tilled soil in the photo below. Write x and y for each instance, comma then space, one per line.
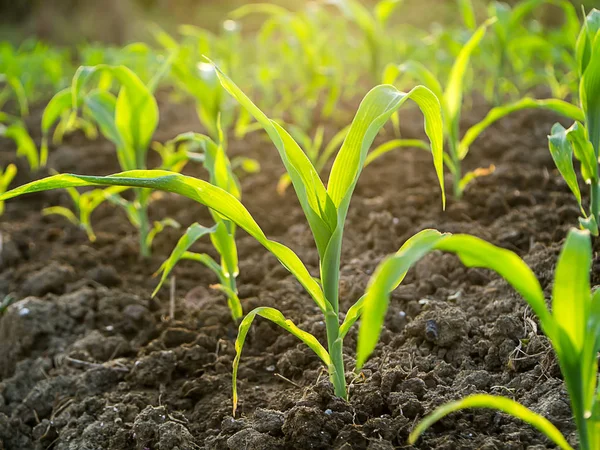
90, 361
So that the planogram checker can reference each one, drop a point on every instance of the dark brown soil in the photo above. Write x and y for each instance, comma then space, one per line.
90, 361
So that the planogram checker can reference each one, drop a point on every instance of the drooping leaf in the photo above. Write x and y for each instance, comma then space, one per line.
211, 196
503, 404
276, 317
562, 154
497, 113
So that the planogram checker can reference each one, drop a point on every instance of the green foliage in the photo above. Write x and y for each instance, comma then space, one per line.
128, 119
14, 129
325, 207
451, 99
222, 234
84, 205
582, 139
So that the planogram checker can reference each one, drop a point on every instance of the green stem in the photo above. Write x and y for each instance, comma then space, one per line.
335, 347
456, 177
236, 306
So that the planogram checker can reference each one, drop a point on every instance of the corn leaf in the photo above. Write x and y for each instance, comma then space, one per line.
562, 154
472, 251
278, 318
61, 211
497, 113
571, 298
393, 145
315, 202
454, 88
375, 109
211, 196
503, 404
388, 275
25, 145
191, 235
584, 151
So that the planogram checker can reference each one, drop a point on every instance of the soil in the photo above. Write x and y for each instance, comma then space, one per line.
91, 361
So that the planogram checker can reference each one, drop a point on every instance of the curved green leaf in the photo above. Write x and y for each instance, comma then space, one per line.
278, 318
472, 251
503, 404
497, 113
393, 145
201, 191
562, 154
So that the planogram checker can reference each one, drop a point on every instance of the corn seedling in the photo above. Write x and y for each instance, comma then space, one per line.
573, 325
451, 99
128, 120
582, 139
324, 207
84, 205
222, 234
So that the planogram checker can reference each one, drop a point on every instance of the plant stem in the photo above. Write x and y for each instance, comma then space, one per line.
335, 347
236, 306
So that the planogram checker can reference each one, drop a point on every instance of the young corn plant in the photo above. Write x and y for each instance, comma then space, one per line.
451, 99
128, 120
84, 205
582, 139
325, 208
573, 325
222, 234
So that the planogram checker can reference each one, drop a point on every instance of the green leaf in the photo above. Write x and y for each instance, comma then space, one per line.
472, 251
584, 151
571, 298
503, 404
205, 193
315, 202
589, 91
191, 235
562, 154
497, 113
454, 87
375, 109
61, 211
467, 13
136, 110
25, 145
384, 9
158, 227
352, 316
233, 301
387, 276
20, 94
585, 40
276, 317
393, 145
